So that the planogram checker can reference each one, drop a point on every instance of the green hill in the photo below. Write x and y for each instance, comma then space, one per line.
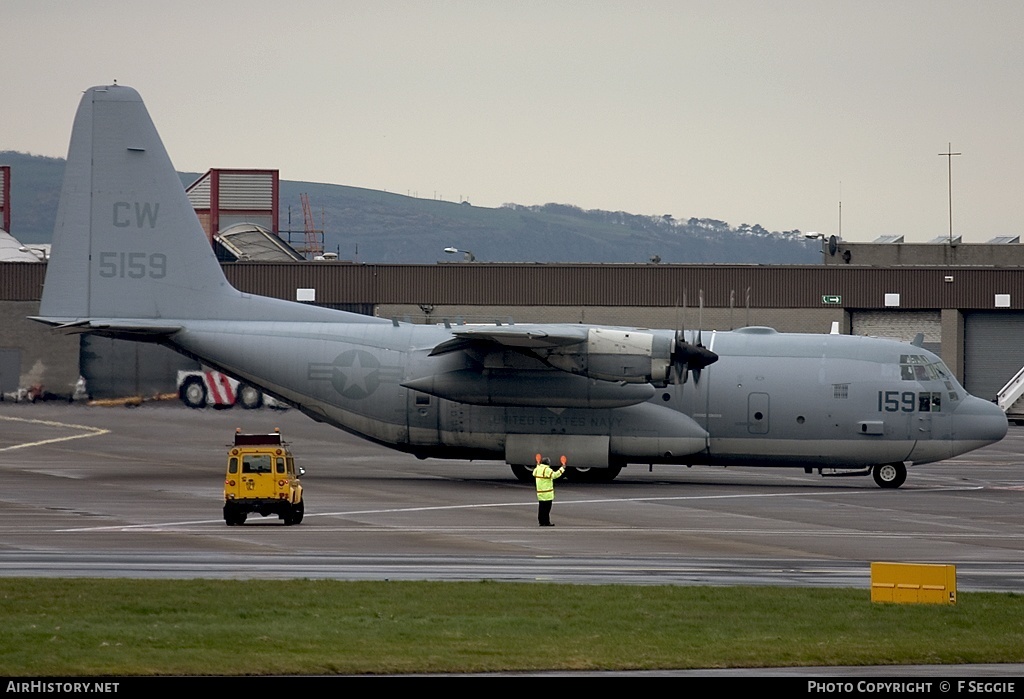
374, 226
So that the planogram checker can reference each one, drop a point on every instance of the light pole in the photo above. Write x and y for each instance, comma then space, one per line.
949, 157
814, 235
41, 252
470, 257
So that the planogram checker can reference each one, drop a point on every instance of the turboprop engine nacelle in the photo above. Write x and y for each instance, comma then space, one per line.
630, 356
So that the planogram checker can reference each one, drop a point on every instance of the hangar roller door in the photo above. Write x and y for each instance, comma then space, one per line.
900, 325
10, 370
119, 368
993, 350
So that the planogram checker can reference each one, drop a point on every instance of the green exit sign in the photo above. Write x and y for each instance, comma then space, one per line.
834, 300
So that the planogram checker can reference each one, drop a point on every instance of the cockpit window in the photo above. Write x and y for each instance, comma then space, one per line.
917, 367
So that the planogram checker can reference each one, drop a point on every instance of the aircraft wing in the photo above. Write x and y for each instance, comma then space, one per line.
512, 337
566, 360
621, 355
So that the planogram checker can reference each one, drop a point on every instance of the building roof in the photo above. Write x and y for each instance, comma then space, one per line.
247, 242
10, 250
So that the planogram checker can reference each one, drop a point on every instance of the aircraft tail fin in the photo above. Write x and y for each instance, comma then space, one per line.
127, 243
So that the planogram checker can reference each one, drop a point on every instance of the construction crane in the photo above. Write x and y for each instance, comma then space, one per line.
314, 244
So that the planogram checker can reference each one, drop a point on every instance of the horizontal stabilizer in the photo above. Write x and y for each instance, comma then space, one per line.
111, 327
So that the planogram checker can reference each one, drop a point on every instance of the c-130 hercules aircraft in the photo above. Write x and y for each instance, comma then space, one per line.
130, 260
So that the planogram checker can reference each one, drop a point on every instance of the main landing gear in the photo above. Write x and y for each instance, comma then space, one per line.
889, 475
592, 475
523, 474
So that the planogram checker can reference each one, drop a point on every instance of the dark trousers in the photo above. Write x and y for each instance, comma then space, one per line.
544, 512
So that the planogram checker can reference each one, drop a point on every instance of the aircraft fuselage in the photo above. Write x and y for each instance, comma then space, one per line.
771, 399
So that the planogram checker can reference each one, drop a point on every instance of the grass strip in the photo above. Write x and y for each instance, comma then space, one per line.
124, 627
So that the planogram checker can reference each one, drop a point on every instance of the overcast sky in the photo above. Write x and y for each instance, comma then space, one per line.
767, 112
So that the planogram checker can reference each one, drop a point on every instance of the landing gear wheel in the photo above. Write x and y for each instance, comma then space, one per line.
523, 474
193, 392
592, 475
889, 475
249, 397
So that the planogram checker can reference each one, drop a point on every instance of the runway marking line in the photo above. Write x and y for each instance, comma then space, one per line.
159, 525
91, 432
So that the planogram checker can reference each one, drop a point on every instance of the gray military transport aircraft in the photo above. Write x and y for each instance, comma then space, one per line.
130, 260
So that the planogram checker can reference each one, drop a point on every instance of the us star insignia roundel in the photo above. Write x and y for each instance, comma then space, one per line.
354, 374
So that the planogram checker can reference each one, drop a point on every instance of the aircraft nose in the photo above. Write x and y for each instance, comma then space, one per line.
980, 420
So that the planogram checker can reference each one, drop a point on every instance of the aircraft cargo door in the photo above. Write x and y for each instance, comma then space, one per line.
757, 413
422, 418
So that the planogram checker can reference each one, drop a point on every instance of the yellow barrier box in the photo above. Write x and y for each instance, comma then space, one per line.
913, 583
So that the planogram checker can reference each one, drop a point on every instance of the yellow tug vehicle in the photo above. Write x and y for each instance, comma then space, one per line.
262, 478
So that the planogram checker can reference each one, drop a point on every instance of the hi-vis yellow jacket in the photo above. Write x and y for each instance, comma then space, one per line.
546, 476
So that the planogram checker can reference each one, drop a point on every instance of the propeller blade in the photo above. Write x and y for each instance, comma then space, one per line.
687, 357
695, 356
